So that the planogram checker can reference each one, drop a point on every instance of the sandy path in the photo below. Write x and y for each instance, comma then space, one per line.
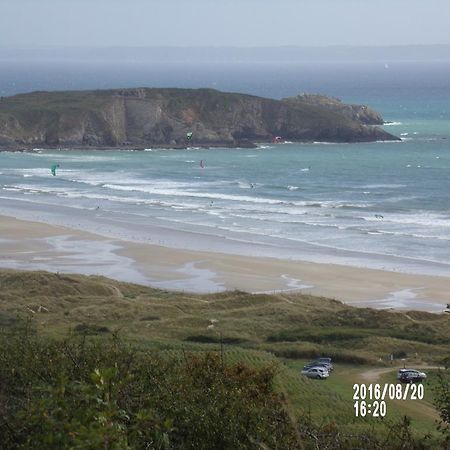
373, 375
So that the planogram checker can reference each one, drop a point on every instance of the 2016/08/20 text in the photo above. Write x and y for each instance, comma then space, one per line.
391, 391
379, 393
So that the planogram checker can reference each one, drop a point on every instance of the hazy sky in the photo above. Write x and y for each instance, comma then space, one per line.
35, 23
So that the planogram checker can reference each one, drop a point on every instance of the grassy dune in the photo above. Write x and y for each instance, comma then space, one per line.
288, 325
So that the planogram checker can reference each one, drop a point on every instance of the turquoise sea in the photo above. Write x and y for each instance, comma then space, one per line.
383, 205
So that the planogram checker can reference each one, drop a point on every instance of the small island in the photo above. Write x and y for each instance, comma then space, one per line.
146, 117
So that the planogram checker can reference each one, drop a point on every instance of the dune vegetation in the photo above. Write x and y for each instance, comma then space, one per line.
89, 362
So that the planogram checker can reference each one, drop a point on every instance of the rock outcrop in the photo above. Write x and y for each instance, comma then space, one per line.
162, 117
359, 113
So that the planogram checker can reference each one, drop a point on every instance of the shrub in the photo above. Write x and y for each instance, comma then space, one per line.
83, 328
399, 354
338, 357
85, 393
319, 335
150, 318
214, 339
442, 403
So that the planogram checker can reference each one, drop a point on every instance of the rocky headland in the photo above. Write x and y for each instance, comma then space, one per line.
145, 117
359, 113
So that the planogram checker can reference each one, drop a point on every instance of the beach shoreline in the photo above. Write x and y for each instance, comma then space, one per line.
35, 245
254, 144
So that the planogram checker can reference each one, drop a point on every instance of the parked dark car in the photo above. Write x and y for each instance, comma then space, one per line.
411, 376
324, 363
321, 362
317, 364
325, 360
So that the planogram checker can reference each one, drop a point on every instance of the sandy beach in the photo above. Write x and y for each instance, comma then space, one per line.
37, 246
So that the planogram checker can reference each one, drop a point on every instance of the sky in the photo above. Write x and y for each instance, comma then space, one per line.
246, 23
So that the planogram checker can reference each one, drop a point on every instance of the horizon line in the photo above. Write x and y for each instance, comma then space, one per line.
243, 47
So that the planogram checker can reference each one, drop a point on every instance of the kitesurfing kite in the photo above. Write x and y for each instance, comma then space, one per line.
189, 135
53, 169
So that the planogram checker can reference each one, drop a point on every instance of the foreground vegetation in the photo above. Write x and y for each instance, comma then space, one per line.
79, 394
87, 362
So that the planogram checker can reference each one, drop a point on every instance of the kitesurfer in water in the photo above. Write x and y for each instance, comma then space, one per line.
53, 169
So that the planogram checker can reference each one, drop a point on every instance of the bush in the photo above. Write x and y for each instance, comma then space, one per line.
399, 354
338, 357
319, 335
83, 328
442, 403
86, 393
213, 339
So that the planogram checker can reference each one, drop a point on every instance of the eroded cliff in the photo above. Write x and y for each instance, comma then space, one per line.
162, 117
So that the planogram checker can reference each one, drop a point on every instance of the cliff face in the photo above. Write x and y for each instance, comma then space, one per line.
162, 117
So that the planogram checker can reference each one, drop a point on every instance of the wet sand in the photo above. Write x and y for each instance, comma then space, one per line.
38, 246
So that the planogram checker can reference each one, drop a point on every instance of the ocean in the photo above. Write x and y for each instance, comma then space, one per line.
379, 205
